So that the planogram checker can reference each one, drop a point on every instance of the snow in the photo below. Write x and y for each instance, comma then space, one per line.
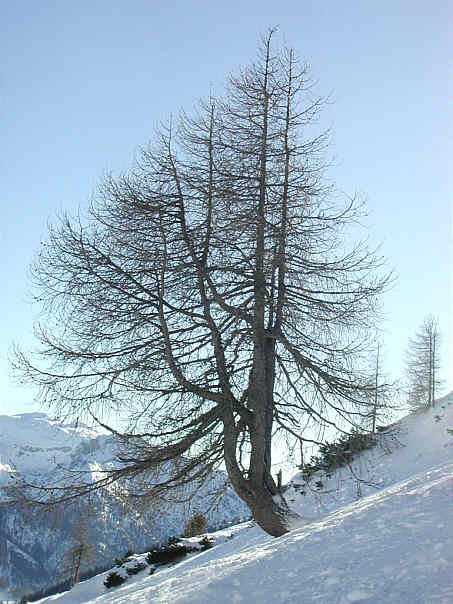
383, 534
5, 472
33, 441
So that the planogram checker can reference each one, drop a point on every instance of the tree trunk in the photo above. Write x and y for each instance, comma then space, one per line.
376, 390
271, 513
269, 510
258, 490
433, 368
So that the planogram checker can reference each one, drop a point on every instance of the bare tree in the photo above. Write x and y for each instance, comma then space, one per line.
384, 394
81, 553
423, 364
210, 299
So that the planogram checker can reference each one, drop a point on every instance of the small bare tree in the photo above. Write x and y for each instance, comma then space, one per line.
384, 394
196, 525
210, 299
80, 554
423, 364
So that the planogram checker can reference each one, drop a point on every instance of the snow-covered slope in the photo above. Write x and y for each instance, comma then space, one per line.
32, 546
418, 442
382, 534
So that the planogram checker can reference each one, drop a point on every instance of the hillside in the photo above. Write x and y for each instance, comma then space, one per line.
32, 545
381, 533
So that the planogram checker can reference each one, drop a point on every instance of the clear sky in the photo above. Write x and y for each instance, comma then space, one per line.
83, 83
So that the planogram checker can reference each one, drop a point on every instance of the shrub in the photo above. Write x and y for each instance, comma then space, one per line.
206, 543
339, 453
125, 558
196, 525
166, 554
113, 580
133, 570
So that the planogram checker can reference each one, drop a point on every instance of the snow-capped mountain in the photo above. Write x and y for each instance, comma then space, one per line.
33, 442
377, 532
32, 545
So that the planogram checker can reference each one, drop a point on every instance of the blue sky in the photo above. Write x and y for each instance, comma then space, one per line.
84, 83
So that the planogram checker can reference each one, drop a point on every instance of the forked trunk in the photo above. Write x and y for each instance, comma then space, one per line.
258, 490
269, 510
271, 513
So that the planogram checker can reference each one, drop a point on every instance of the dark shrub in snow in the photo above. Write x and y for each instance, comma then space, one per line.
206, 543
127, 556
339, 453
168, 553
136, 568
113, 580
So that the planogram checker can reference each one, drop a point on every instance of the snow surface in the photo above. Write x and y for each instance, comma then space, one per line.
383, 535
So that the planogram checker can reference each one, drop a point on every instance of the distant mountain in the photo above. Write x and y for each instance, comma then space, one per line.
32, 545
